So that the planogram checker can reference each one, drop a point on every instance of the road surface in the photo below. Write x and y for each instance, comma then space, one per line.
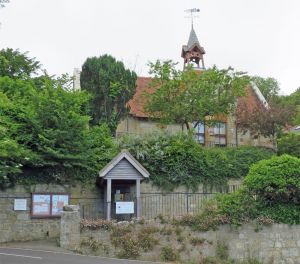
35, 256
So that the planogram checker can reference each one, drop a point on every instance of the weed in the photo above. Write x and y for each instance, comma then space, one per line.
168, 254
195, 241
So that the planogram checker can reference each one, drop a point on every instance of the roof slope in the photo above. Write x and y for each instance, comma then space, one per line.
124, 154
253, 97
136, 104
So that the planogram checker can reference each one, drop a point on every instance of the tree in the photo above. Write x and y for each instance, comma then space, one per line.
45, 134
269, 87
3, 3
17, 65
186, 97
293, 100
111, 86
289, 144
263, 121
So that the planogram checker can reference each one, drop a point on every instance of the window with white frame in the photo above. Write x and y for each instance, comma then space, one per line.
199, 132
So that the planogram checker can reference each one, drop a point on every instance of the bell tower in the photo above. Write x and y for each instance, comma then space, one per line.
192, 53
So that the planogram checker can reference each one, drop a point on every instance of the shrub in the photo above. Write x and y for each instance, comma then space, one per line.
239, 206
276, 180
175, 160
209, 218
168, 254
289, 144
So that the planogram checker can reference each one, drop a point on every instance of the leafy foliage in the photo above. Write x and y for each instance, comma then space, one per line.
276, 180
111, 87
269, 87
15, 64
175, 160
186, 96
289, 144
267, 122
271, 192
294, 101
44, 129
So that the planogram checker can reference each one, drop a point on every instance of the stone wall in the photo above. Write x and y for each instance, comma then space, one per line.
142, 126
19, 226
270, 244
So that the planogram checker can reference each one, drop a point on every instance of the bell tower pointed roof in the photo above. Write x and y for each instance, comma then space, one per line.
193, 52
193, 39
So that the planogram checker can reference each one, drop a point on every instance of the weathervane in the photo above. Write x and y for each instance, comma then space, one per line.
192, 12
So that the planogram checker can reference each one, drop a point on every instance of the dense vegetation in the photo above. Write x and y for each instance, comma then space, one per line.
44, 128
175, 160
184, 97
271, 193
111, 86
289, 144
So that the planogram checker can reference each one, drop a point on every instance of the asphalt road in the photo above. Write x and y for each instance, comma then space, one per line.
33, 256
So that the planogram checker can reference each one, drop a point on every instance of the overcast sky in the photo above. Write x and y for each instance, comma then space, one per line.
261, 37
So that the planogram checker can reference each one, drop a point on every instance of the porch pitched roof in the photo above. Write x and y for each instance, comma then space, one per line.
124, 154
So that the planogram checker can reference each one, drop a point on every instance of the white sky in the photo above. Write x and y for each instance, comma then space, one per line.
261, 37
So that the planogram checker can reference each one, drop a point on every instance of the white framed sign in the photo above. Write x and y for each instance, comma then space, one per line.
124, 207
20, 204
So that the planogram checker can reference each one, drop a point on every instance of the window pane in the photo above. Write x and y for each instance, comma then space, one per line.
199, 128
220, 140
200, 138
220, 128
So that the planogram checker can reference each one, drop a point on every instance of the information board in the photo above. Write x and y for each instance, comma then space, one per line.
41, 204
58, 203
48, 204
20, 204
124, 207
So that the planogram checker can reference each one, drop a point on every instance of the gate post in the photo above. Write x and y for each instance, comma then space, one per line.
70, 227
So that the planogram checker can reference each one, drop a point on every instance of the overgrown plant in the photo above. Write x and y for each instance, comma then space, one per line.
177, 160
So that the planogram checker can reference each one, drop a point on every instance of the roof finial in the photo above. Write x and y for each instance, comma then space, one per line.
192, 12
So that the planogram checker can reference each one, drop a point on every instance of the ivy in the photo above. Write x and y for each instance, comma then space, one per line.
177, 160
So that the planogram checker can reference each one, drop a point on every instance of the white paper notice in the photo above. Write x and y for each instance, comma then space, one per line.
20, 204
124, 207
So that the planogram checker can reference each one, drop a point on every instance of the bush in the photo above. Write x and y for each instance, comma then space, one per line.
271, 193
168, 254
239, 206
289, 144
276, 180
175, 160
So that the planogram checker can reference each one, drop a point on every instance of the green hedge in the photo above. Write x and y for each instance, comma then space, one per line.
271, 191
177, 160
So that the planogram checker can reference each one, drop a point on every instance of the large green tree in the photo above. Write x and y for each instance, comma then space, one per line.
15, 64
186, 97
269, 87
293, 100
111, 86
45, 134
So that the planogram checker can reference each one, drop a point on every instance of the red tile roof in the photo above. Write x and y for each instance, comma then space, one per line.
136, 104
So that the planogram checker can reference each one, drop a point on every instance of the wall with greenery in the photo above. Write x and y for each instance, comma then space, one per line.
176, 160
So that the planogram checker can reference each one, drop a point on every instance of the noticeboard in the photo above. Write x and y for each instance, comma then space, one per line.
58, 203
124, 207
46, 205
20, 204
